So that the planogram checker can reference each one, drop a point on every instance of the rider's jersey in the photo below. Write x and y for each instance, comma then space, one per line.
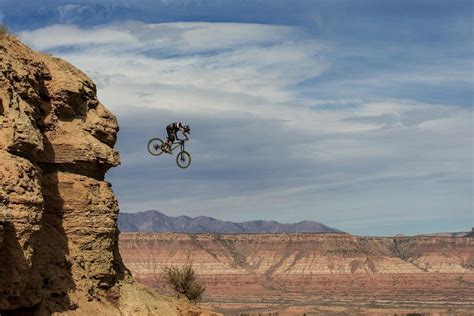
178, 126
175, 127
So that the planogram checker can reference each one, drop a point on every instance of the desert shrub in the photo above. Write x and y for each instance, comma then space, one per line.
183, 280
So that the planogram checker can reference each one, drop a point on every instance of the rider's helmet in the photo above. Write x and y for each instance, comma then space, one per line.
186, 128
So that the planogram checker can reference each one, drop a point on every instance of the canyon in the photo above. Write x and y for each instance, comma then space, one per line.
61, 250
313, 272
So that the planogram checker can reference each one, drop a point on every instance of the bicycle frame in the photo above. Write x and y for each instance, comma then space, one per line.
176, 145
156, 147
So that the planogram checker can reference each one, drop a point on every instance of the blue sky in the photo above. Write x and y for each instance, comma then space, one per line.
357, 114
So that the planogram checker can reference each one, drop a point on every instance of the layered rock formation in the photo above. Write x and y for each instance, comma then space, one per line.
58, 217
312, 269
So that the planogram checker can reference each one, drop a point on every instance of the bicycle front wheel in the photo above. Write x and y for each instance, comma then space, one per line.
155, 146
183, 159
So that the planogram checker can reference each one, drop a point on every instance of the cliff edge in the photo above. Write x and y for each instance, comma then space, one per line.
58, 217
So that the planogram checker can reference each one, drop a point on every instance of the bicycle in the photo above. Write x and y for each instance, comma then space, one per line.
183, 159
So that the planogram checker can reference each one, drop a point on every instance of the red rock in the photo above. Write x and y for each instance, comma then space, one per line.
310, 268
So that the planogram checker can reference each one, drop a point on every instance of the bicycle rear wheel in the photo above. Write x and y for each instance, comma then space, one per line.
183, 159
155, 146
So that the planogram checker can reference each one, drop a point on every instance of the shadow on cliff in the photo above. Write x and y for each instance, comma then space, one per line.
14, 273
53, 259
43, 287
50, 258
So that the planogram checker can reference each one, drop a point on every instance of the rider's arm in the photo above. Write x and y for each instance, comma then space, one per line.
184, 134
176, 135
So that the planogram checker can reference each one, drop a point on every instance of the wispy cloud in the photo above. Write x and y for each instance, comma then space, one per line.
57, 36
267, 142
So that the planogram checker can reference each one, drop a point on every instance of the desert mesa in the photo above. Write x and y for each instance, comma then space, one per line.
338, 271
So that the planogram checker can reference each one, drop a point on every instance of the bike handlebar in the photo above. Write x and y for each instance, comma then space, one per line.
180, 141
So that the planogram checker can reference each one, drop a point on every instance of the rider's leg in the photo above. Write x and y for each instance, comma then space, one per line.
169, 140
165, 146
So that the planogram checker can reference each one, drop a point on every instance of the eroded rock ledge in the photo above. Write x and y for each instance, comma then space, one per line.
58, 217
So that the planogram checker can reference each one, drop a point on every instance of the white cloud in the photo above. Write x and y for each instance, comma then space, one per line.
261, 64
278, 150
210, 36
170, 37
69, 35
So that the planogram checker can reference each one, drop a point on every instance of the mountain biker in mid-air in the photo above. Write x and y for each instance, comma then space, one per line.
172, 129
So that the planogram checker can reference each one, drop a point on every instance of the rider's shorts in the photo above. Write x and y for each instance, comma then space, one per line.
170, 132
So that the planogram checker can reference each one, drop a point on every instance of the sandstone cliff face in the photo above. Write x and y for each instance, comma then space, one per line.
311, 269
58, 217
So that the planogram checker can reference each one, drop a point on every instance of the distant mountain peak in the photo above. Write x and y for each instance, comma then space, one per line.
156, 221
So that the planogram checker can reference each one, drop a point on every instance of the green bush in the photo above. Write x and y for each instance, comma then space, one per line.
183, 280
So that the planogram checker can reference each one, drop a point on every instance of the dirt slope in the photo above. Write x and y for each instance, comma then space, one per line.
58, 217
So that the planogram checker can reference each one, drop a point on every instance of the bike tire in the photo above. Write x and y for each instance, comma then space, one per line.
155, 146
183, 159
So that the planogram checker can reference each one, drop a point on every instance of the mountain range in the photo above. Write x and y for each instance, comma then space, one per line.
155, 221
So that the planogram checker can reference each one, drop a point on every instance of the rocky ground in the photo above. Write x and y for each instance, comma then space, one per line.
58, 217
304, 273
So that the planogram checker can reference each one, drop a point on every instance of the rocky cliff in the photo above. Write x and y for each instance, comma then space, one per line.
313, 269
58, 217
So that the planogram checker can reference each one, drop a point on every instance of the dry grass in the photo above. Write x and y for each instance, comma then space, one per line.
4, 30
